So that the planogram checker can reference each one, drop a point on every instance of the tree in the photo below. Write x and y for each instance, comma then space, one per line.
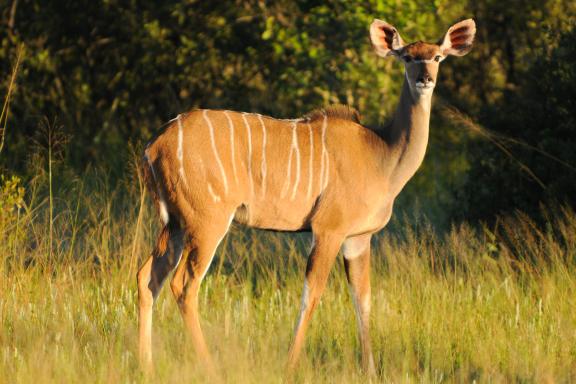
542, 114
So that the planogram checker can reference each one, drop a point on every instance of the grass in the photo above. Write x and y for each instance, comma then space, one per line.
471, 305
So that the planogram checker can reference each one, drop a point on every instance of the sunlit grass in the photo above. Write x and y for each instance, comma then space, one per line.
473, 304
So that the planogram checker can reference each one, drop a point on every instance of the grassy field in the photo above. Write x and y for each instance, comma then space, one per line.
471, 305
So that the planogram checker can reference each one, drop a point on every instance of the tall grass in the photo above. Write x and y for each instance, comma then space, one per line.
472, 304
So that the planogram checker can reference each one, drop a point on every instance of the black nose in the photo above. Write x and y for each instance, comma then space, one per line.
425, 78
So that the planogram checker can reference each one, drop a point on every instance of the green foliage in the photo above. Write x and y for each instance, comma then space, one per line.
113, 72
542, 113
11, 198
471, 304
12, 209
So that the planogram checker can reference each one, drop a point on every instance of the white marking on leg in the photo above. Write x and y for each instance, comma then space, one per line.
213, 141
162, 207
231, 127
310, 162
304, 305
180, 151
179, 257
297, 149
324, 168
354, 247
357, 311
249, 134
214, 195
263, 164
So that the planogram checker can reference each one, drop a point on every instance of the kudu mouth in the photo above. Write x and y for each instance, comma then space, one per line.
424, 87
427, 85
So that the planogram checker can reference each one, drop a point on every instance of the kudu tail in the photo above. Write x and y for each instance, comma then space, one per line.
154, 188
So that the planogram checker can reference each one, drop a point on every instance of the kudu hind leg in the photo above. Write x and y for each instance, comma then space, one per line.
317, 271
357, 265
198, 255
150, 277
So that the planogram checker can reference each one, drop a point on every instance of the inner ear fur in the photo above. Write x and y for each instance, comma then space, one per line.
385, 38
459, 38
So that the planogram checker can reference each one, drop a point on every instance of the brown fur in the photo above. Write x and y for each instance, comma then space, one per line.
421, 50
325, 173
336, 111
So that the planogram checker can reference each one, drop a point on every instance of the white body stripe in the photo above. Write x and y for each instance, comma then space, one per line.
180, 151
310, 162
249, 134
297, 150
213, 141
287, 181
231, 127
214, 195
289, 168
324, 161
263, 165
174, 119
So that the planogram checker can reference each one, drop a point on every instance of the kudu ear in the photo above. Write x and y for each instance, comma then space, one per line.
459, 38
385, 38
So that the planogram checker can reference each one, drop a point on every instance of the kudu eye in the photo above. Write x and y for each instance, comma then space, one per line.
437, 58
407, 58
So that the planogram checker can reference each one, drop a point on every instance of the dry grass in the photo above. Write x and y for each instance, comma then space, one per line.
469, 305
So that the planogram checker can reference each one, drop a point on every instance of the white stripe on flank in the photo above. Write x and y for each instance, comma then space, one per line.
231, 127
327, 173
297, 149
263, 164
214, 195
213, 141
311, 162
180, 151
249, 133
325, 166
289, 168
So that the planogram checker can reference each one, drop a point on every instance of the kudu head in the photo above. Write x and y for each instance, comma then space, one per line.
421, 60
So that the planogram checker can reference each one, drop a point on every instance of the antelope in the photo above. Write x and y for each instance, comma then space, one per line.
324, 173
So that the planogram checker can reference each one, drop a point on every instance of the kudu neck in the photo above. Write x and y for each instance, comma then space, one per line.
407, 134
412, 116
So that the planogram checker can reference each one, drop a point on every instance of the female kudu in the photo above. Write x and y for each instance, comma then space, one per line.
324, 173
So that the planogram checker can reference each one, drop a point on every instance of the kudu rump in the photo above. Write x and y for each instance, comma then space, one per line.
324, 172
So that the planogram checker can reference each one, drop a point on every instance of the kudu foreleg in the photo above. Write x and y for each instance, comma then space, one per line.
357, 265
